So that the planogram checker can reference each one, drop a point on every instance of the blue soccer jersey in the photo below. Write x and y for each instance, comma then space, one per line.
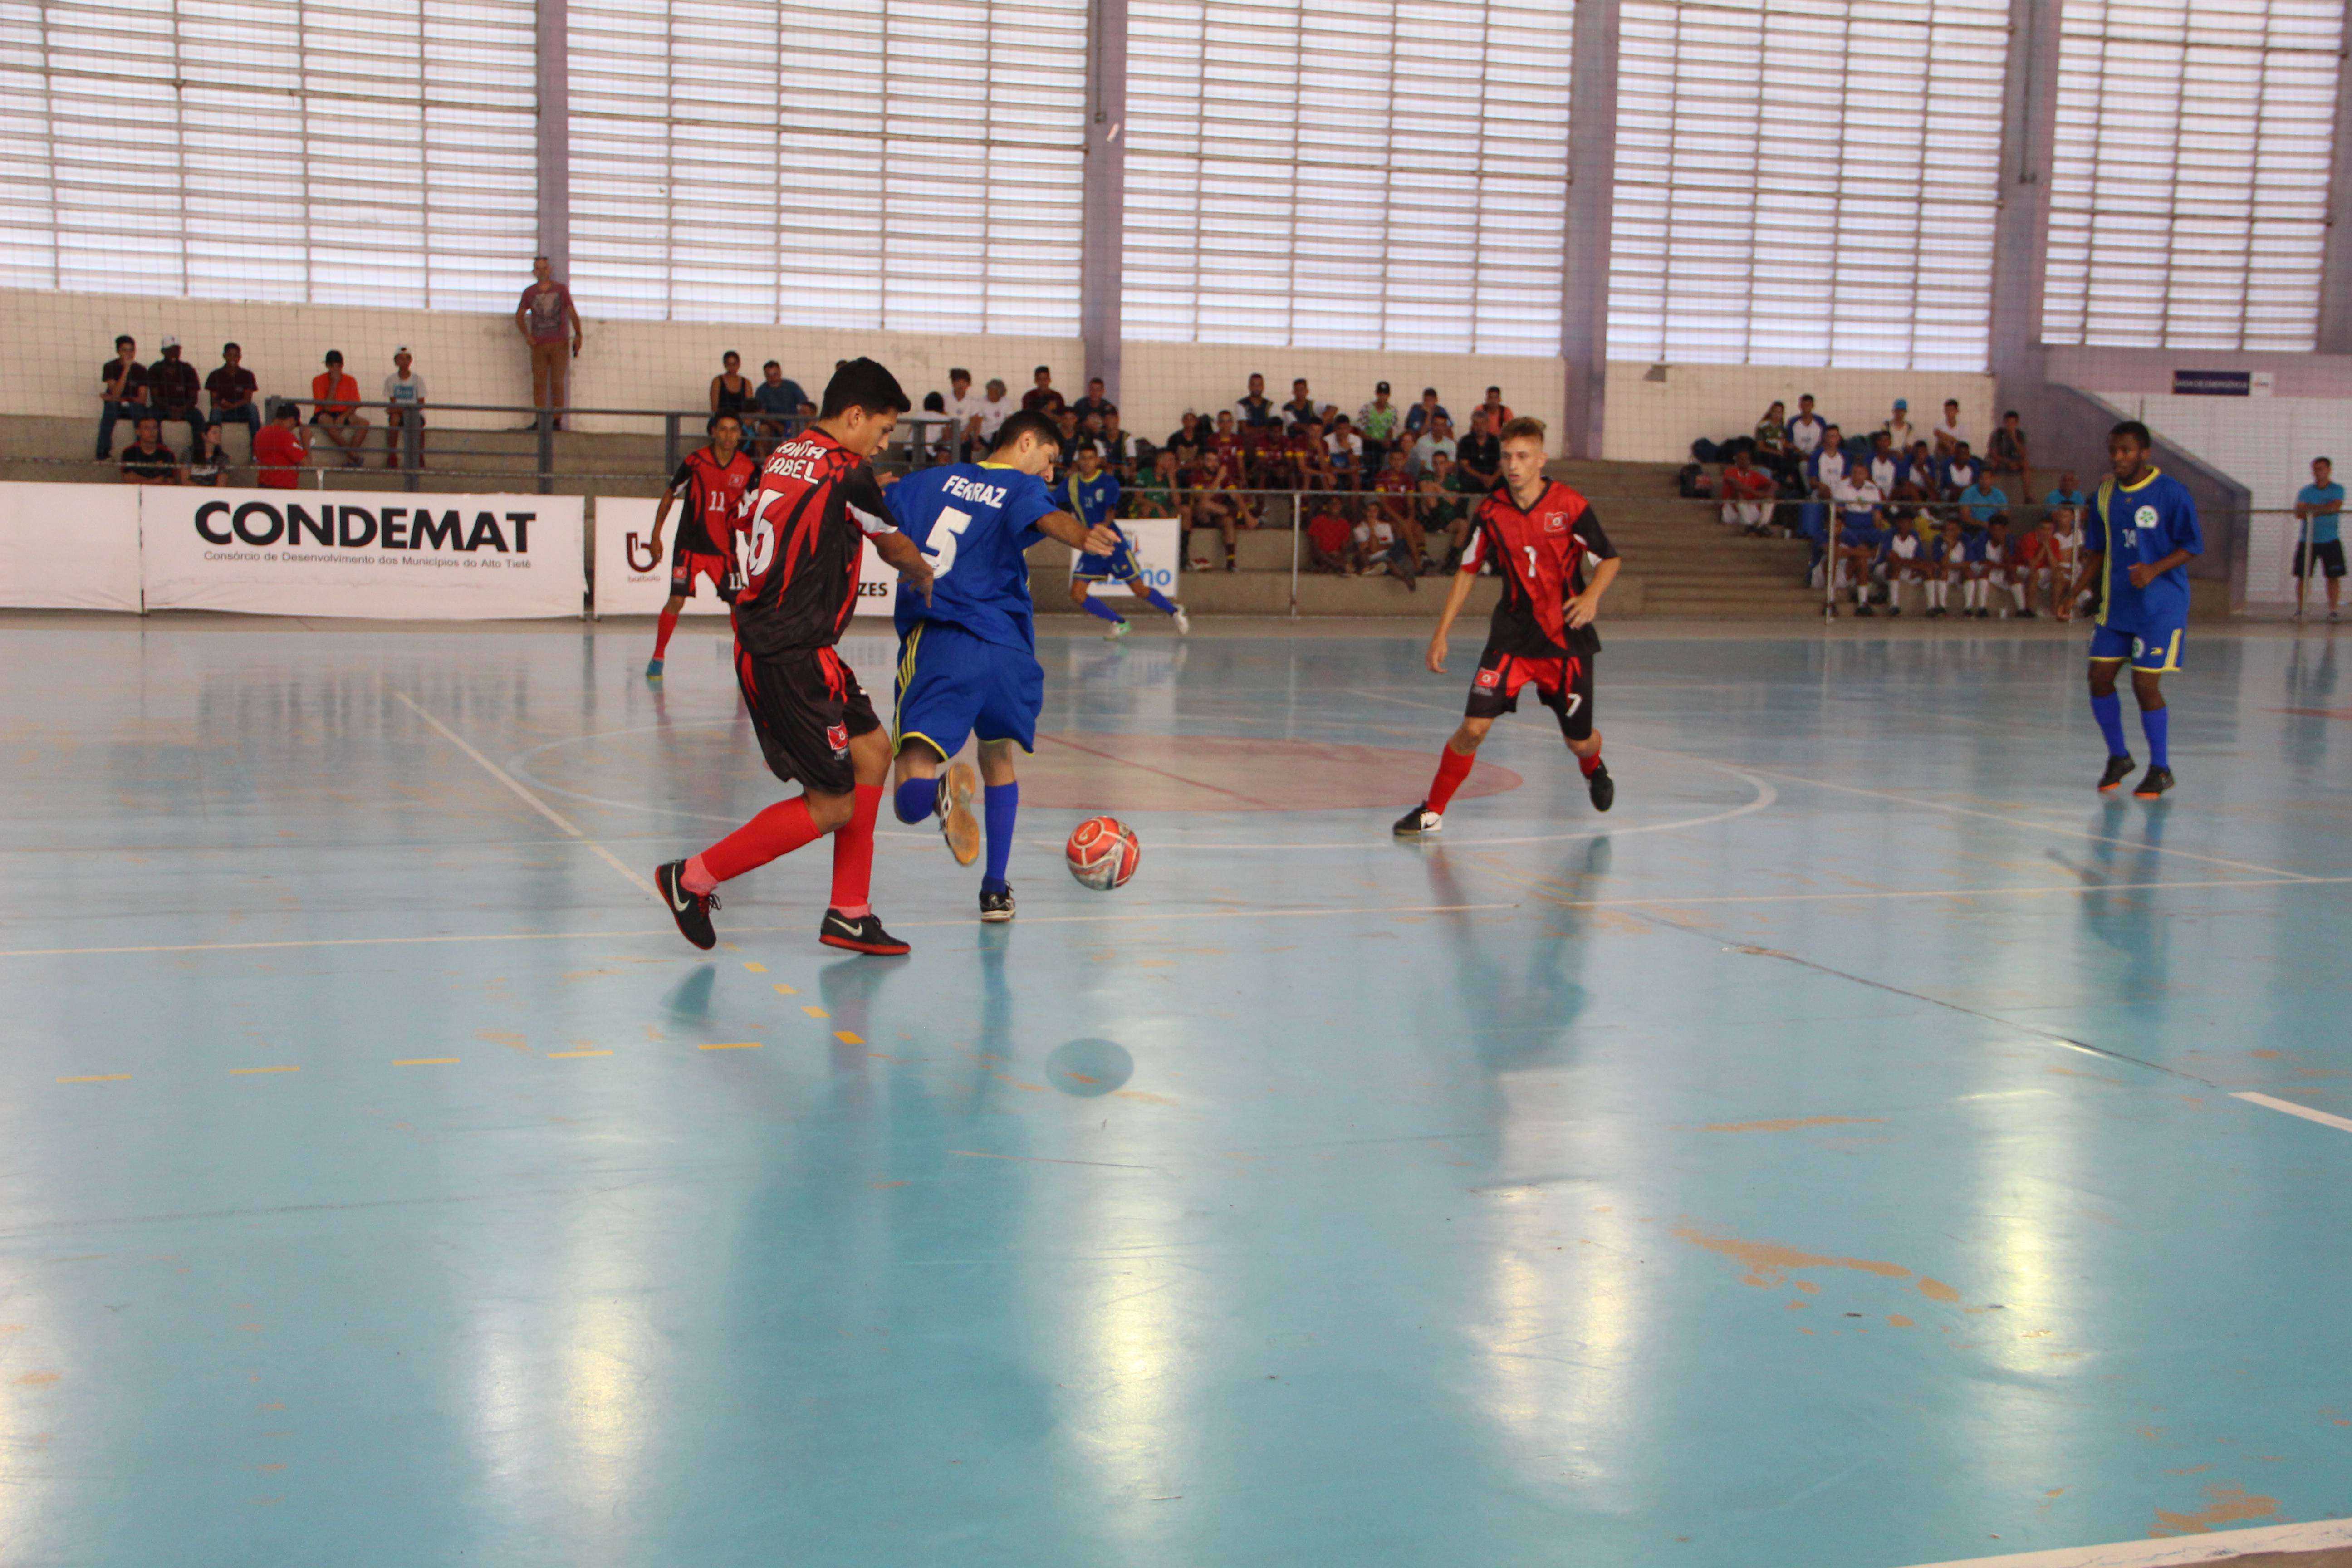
2140, 525
1090, 500
973, 521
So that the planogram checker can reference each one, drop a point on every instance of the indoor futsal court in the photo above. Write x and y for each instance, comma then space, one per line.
1865, 1147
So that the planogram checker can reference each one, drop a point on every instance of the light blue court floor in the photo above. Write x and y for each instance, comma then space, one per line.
1837, 1157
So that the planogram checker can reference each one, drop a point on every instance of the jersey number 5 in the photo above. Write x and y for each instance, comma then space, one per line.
947, 536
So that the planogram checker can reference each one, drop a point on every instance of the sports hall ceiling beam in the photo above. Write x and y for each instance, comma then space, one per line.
1584, 273
2021, 226
1100, 271
555, 137
2336, 267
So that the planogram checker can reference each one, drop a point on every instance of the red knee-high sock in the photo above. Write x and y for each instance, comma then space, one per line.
853, 855
662, 628
778, 830
1452, 767
1591, 764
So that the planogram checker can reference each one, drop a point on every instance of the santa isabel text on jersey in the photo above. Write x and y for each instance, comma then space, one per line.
1540, 553
797, 545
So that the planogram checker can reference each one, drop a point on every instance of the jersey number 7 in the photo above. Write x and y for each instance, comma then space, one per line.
946, 536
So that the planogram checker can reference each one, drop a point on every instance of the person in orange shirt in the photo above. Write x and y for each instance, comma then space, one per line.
279, 451
335, 408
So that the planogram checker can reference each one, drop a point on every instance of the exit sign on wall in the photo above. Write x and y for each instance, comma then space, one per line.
2222, 383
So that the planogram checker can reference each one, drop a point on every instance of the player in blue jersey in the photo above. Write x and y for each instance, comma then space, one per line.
2138, 541
1090, 491
968, 658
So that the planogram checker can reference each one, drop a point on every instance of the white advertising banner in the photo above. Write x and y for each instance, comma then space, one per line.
70, 547
374, 555
1158, 545
630, 580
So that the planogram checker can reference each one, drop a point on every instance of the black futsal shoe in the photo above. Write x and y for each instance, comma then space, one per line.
1417, 822
995, 908
864, 934
2153, 784
1604, 788
2119, 767
691, 911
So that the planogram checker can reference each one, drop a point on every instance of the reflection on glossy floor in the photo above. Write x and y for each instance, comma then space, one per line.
385, 1183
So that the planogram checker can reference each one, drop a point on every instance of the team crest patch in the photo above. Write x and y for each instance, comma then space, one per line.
2144, 517
1555, 524
1490, 677
837, 737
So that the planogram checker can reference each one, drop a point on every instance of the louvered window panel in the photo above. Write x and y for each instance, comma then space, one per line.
321, 152
1387, 174
909, 164
1807, 182
2189, 192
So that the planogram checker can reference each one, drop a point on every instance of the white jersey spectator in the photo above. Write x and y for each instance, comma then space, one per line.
1948, 430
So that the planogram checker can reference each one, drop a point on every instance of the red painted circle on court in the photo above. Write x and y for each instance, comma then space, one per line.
1091, 771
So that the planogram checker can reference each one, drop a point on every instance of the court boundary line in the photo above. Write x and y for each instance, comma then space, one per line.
562, 823
2318, 1535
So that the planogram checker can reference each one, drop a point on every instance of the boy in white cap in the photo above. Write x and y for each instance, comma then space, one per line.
404, 405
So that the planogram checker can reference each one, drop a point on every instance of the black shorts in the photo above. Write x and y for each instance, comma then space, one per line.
2328, 552
1563, 683
805, 705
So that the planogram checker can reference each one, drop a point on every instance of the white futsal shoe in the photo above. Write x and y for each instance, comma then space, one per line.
1418, 822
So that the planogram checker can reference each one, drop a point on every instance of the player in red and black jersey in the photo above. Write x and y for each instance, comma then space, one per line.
793, 549
711, 482
1555, 562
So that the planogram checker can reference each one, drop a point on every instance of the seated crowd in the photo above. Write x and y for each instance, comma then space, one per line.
1384, 489
150, 396
1897, 508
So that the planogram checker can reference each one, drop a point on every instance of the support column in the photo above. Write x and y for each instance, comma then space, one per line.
555, 136
1591, 182
2021, 226
1101, 264
2336, 267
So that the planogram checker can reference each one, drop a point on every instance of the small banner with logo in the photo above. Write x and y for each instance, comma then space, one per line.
365, 555
631, 580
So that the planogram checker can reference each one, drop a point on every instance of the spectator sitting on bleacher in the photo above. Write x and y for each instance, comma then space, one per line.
1095, 403
1982, 500
2035, 567
1255, 408
171, 389
279, 451
1329, 536
995, 410
1806, 430
231, 390
1435, 436
1443, 513
335, 408
122, 392
1309, 459
1302, 408
2007, 450
1065, 422
1478, 456
1190, 442
1904, 562
1040, 394
1899, 433
1498, 412
963, 408
204, 463
1346, 451
1773, 452
1949, 437
2065, 496
1948, 563
403, 407
1118, 449
1859, 537
1886, 463
147, 460
1378, 423
1922, 478
730, 389
1394, 498
1748, 493
1382, 544
1960, 470
1427, 409
1826, 469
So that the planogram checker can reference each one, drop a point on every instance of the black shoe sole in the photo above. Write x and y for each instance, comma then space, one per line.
872, 949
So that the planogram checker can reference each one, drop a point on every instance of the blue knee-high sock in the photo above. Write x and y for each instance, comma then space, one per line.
2109, 711
1100, 611
1160, 601
2158, 722
916, 799
1003, 805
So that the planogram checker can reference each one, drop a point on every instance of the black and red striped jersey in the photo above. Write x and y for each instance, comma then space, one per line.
795, 546
1543, 554
713, 492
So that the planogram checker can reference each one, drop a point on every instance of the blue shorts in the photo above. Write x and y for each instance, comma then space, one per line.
2156, 649
953, 685
1119, 566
